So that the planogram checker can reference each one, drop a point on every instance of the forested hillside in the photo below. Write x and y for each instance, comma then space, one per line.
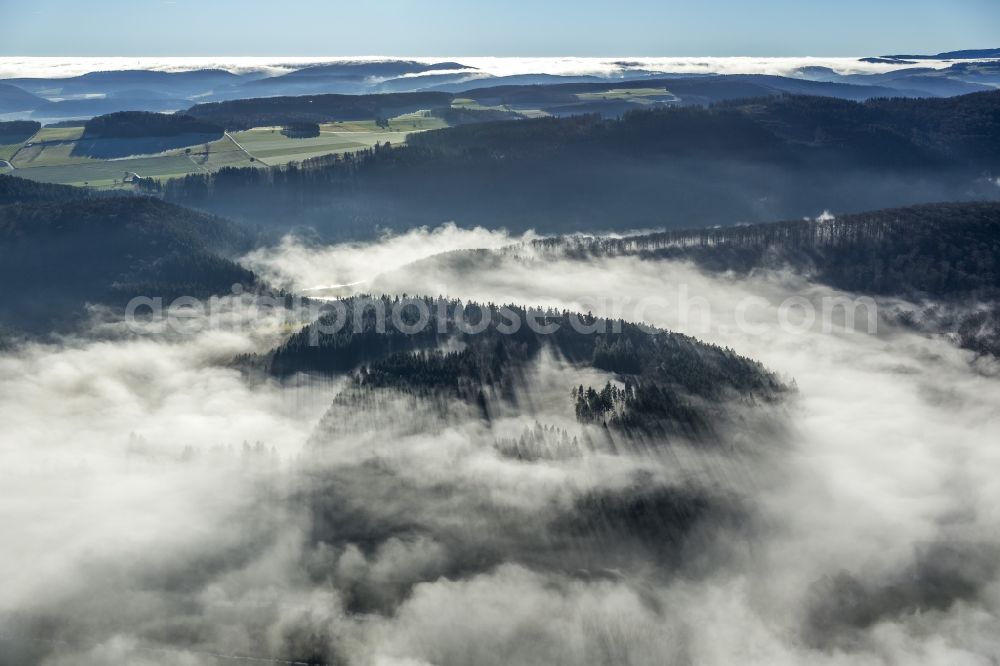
949, 250
22, 190
945, 256
259, 112
296, 96
141, 124
17, 131
670, 381
58, 255
659, 392
750, 161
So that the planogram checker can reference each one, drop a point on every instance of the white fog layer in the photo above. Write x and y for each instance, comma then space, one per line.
52, 66
158, 506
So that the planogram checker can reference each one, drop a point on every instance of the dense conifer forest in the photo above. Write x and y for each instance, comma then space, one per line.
751, 160
58, 255
17, 131
949, 251
668, 379
140, 124
262, 112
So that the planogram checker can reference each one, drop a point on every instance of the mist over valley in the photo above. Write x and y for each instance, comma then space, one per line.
412, 361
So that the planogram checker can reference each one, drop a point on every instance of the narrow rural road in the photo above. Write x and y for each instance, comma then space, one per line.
237, 143
7, 164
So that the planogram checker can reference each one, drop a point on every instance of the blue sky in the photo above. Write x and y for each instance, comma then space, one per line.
482, 27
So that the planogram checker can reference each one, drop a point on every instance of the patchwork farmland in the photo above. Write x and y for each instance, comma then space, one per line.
61, 155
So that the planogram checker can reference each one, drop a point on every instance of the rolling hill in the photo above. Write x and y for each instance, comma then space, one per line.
750, 160
59, 252
14, 99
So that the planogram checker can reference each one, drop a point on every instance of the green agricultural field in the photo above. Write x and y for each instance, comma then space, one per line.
60, 151
58, 134
639, 95
420, 120
54, 162
473, 105
102, 173
272, 148
11, 143
38, 154
215, 155
7, 150
49, 155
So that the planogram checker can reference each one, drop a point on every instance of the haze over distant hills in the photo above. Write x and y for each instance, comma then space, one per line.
967, 54
80, 88
748, 160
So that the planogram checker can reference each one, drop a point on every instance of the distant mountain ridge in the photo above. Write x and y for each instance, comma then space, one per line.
967, 54
387, 68
99, 92
957, 79
554, 98
13, 99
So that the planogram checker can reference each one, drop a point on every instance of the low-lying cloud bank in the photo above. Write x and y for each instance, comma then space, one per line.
51, 66
142, 530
